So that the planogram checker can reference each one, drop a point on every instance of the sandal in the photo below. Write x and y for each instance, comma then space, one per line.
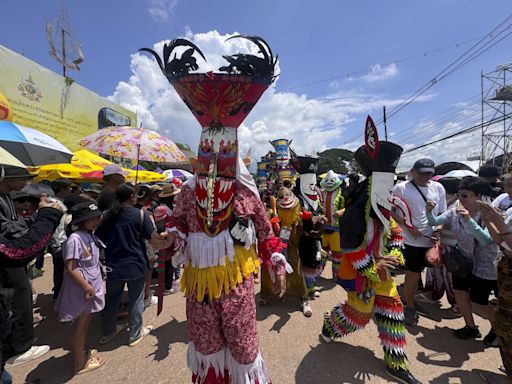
91, 364
91, 353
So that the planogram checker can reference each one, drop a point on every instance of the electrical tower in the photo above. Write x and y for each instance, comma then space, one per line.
496, 126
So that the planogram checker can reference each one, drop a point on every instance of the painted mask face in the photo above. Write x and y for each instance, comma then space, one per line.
381, 188
330, 182
282, 147
215, 178
308, 189
286, 199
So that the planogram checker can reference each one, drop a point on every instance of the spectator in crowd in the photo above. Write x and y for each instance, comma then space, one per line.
124, 229
418, 239
439, 279
476, 244
172, 267
113, 175
491, 173
19, 241
504, 201
82, 293
93, 191
62, 189
500, 229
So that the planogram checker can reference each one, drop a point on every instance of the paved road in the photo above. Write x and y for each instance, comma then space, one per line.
289, 344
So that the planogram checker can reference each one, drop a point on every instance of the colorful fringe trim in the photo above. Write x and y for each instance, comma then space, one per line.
389, 317
343, 319
364, 264
221, 278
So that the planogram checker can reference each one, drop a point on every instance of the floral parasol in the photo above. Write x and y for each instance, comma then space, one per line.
134, 143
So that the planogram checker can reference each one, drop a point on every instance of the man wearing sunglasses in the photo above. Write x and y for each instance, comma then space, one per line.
418, 239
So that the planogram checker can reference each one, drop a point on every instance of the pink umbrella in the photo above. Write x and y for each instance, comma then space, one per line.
134, 143
437, 177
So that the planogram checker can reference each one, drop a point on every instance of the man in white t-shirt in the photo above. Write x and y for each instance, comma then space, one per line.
504, 201
416, 192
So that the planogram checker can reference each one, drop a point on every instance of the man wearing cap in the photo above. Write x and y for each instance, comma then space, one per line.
113, 175
491, 173
415, 193
93, 191
20, 240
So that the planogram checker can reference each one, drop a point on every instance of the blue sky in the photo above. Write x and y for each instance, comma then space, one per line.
315, 41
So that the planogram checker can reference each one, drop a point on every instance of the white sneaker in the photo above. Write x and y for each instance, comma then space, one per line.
33, 353
306, 309
150, 301
144, 331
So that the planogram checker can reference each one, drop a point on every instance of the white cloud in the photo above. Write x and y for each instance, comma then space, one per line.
313, 124
381, 72
161, 9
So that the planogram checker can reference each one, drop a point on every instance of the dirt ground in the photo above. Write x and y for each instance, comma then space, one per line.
289, 343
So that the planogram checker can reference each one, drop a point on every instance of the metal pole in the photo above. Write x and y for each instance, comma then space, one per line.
482, 90
63, 33
385, 124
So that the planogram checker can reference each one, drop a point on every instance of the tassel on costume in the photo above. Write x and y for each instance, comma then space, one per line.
389, 317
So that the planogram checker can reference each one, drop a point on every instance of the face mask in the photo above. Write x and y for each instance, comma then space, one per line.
330, 182
308, 189
286, 199
282, 156
381, 188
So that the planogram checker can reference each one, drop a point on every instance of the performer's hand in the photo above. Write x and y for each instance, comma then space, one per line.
45, 203
162, 240
387, 262
338, 214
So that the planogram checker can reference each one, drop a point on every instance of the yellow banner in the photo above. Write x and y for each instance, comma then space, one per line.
46, 101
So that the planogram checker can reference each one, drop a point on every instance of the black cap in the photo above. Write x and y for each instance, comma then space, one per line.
488, 170
11, 172
59, 184
83, 211
71, 200
424, 166
29, 190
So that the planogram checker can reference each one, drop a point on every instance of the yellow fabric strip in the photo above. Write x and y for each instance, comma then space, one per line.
221, 278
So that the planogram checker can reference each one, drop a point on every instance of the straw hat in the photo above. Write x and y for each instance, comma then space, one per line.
168, 190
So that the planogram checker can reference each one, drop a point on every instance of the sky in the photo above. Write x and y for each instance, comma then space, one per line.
338, 62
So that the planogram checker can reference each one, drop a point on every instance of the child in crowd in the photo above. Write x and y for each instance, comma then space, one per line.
82, 291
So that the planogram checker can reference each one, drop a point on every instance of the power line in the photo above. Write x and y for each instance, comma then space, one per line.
467, 130
365, 70
451, 68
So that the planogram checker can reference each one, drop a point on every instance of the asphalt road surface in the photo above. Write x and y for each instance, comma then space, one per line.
289, 343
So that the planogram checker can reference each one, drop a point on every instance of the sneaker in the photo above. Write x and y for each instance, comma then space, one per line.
467, 333
326, 335
106, 339
411, 317
402, 375
150, 301
316, 294
421, 310
306, 309
33, 353
491, 340
144, 331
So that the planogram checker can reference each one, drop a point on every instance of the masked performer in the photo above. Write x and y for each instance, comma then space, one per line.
218, 217
367, 259
334, 204
310, 241
290, 228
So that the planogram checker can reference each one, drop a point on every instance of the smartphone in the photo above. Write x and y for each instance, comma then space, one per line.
484, 204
